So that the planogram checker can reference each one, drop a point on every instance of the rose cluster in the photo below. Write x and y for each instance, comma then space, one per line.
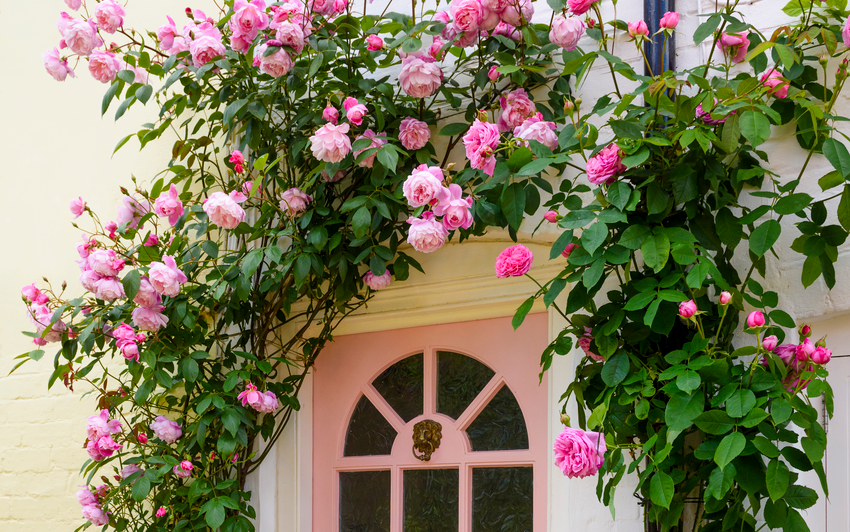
799, 359
425, 188
92, 507
41, 315
265, 402
99, 431
467, 21
127, 341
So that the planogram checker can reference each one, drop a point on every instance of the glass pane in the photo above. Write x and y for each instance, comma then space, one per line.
431, 500
459, 380
502, 499
369, 433
500, 426
364, 501
401, 385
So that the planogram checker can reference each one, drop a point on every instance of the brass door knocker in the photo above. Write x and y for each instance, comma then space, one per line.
426, 438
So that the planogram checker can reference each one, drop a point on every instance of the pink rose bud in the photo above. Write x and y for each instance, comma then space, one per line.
142, 437
78, 207
769, 343
551, 217
330, 114
152, 240
374, 43
638, 28
186, 465
725, 297
514, 261
821, 355
670, 20
162, 511
238, 161
805, 331
492, 74
235, 458
569, 249
687, 309
755, 319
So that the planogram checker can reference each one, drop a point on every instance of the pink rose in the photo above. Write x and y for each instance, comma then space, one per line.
453, 208
224, 210
149, 318
822, 355
180, 472
769, 343
130, 351
518, 12
706, 115
249, 18
755, 319
109, 289
250, 396
56, 66
166, 430
786, 352
74, 4
111, 227
687, 308
725, 298
130, 212
845, 33
421, 188
580, 7
146, 296
81, 36
516, 109
168, 205
419, 76
166, 34
481, 142
374, 43
276, 65
435, 50
773, 79
377, 282
355, 113
489, 21
86, 498
514, 261
495, 5
237, 160
339, 174
566, 32
330, 143
605, 166
129, 470
31, 293
270, 403
377, 141
78, 207
294, 202
161, 511
493, 74
435, 171
206, 48
508, 31
734, 46
291, 35
467, 14
584, 343
551, 217
330, 114
88, 279
669, 21
108, 16
166, 278
95, 515
805, 331
638, 29
426, 234
413, 134
535, 128
100, 426
103, 261
103, 66
578, 453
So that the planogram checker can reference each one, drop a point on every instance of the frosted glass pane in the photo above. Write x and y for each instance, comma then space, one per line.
402, 386
369, 434
459, 380
431, 500
502, 499
364, 501
500, 426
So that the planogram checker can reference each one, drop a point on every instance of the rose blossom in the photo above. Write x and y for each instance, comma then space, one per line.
206, 46
166, 430
95, 515
413, 134
237, 160
551, 217
149, 318
168, 205
56, 66
355, 112
467, 15
687, 308
330, 143
516, 108
376, 282
374, 43
568, 249
507, 30
734, 46
181, 471
166, 278
146, 296
566, 32
845, 32
162, 511
419, 76
453, 208
166, 34
822, 355
277, 64
605, 166
435, 50
109, 289
250, 396
535, 128
518, 12
81, 36
426, 234
129, 470
706, 115
74, 4
105, 262
130, 212
103, 66
291, 35
481, 142
584, 344
224, 210
669, 21
725, 297
755, 319
100, 426
578, 453
270, 403
376, 142
580, 7
31, 293
493, 74
514, 261
249, 18
805, 331
421, 187
108, 16
294, 202
772, 79
638, 29
769, 343
86, 498
78, 207
330, 114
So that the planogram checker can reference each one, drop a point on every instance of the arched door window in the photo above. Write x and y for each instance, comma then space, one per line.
441, 439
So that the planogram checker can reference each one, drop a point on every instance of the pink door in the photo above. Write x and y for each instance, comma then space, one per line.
475, 384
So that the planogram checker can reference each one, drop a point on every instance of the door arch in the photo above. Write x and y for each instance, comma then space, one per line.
479, 381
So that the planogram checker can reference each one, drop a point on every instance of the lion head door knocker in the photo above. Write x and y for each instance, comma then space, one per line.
426, 439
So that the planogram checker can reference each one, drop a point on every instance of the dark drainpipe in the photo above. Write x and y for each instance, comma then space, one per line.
659, 59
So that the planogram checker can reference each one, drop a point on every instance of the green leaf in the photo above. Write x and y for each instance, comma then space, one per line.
214, 514
629, 130
800, 497
795, 523
411, 45
640, 301
554, 291
561, 244
661, 489
634, 236
682, 409
655, 250
361, 222
143, 94
792, 204
132, 281
619, 194
844, 208
688, 381
656, 198
251, 262
141, 488
513, 204
765, 446
110, 95
454, 129
230, 420
706, 28
729, 449
522, 312
190, 369
755, 127
837, 155
144, 391
232, 110
315, 65
519, 158
778, 477
740, 402
714, 422
594, 236
615, 369
388, 157
764, 236
780, 317
534, 167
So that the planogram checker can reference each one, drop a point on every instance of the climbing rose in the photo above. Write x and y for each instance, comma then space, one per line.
436, 49
769, 342
377, 142
86, 498
481, 142
81, 36
578, 453
580, 7
354, 111
426, 234
103, 66
376, 282
100, 426
419, 76
516, 108
493, 74
294, 202
845, 33
669, 21
56, 66
330, 114
605, 165
166, 278
166, 34
146, 296
421, 187
551, 217
237, 160
249, 18
149, 318
755, 319
413, 134
822, 355
270, 403
566, 31
109, 15
183, 469
725, 297
734, 46
130, 212
250, 396
224, 210
453, 208
330, 143
514, 261
374, 43
109, 289
518, 12
773, 79
291, 35
206, 46
74, 4
584, 343
277, 64
568, 249
706, 115
638, 29
466, 14
687, 308
162, 511
166, 430
168, 205
129, 470
535, 128
95, 515
78, 207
